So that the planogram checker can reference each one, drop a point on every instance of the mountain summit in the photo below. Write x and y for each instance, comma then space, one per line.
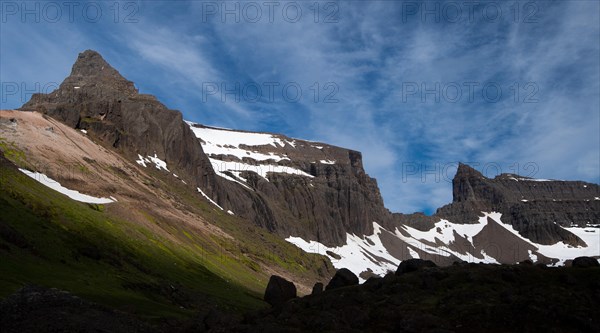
91, 70
97, 99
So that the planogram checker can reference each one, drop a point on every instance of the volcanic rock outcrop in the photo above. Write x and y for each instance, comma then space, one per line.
96, 98
343, 198
536, 208
293, 187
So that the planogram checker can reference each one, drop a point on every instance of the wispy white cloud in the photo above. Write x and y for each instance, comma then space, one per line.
369, 54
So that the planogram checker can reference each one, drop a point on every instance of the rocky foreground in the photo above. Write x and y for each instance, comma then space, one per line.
418, 297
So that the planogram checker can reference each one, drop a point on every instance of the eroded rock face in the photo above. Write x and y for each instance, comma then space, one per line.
342, 198
307, 189
535, 208
327, 197
96, 98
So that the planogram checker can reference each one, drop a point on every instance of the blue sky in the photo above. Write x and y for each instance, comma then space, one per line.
416, 87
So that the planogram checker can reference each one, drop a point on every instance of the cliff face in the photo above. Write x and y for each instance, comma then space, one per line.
536, 208
318, 196
325, 193
307, 189
96, 98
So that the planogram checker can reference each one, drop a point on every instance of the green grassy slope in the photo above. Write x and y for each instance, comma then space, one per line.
50, 240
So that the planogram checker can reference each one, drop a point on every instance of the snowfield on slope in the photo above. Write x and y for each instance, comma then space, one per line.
228, 142
560, 250
262, 170
357, 253
53, 184
160, 164
219, 141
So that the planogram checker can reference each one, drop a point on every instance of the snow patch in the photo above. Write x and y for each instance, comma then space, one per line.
437, 240
83, 131
227, 142
141, 161
413, 253
160, 164
327, 162
356, 254
532, 256
262, 170
560, 250
75, 195
209, 199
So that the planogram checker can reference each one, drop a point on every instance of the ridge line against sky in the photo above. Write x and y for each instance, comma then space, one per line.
374, 66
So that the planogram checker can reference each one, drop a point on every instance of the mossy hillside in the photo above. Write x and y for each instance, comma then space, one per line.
234, 263
252, 244
205, 251
12, 152
69, 245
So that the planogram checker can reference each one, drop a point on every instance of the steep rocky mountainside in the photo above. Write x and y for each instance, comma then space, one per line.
309, 189
537, 208
311, 180
96, 98
318, 196
154, 244
342, 198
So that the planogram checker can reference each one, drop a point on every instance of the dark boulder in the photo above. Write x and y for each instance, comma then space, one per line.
412, 265
342, 278
279, 290
374, 282
317, 288
585, 262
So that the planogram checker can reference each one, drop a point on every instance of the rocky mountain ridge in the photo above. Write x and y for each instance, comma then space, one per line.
537, 208
318, 196
97, 99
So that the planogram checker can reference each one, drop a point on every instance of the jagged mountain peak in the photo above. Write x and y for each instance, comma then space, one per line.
466, 171
96, 98
91, 70
91, 63
462, 183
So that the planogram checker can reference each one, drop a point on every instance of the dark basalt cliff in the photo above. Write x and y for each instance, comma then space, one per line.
95, 97
537, 209
341, 198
